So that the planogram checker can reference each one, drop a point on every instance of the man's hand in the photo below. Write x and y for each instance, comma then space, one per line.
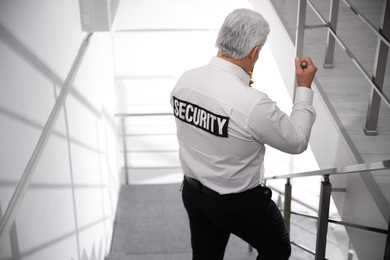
305, 76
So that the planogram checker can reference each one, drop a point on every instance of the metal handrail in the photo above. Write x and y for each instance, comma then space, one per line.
323, 213
167, 30
126, 167
142, 114
24, 183
376, 85
376, 80
300, 202
363, 167
303, 248
343, 223
348, 51
361, 68
330, 220
367, 22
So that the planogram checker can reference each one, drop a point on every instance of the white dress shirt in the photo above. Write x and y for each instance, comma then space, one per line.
223, 125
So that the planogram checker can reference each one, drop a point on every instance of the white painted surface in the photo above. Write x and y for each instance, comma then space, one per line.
70, 207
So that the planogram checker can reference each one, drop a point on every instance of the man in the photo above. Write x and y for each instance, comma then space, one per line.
222, 127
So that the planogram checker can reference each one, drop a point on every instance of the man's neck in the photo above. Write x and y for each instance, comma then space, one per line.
242, 63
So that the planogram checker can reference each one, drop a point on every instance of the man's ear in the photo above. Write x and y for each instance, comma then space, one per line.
253, 52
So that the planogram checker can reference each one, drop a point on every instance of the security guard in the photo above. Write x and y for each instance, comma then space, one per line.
222, 127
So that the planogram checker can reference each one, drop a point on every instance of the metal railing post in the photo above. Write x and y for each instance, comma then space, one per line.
330, 43
323, 212
300, 33
378, 74
124, 150
323, 216
387, 246
287, 203
279, 201
350, 252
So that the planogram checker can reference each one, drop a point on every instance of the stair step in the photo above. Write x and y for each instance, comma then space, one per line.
149, 256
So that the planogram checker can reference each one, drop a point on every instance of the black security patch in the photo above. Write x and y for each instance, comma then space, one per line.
200, 117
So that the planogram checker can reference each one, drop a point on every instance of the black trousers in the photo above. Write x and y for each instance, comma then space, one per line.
250, 215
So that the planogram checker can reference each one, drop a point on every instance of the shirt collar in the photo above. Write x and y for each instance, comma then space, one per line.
231, 68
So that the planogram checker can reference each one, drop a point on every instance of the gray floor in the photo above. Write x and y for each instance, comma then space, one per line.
152, 224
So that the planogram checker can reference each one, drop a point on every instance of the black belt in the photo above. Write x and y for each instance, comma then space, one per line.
197, 185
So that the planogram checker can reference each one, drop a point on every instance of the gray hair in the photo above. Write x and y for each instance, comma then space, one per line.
242, 30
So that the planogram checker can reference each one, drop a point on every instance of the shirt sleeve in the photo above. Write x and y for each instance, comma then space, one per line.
290, 134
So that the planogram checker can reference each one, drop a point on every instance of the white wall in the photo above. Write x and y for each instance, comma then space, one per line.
69, 209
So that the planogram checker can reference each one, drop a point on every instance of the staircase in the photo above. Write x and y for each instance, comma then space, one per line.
152, 224
342, 96
144, 88
344, 85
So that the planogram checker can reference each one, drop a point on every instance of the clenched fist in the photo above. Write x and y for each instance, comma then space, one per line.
305, 76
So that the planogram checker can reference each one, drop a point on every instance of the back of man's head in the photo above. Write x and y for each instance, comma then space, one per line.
242, 30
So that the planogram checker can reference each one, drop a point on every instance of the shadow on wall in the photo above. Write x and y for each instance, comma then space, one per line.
18, 47
16, 254
63, 212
